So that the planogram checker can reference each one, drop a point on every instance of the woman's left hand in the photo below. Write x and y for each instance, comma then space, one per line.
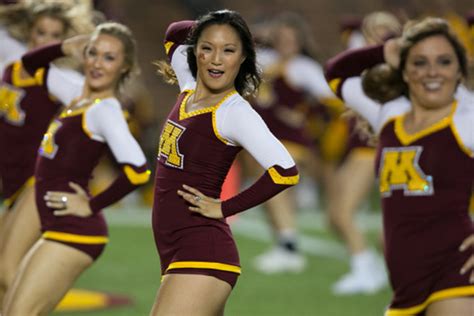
202, 204
468, 244
66, 203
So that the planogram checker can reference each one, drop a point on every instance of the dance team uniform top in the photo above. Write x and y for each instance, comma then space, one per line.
72, 147
356, 141
26, 109
425, 182
286, 94
197, 148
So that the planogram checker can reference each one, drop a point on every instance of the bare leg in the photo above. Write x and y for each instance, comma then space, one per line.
459, 306
353, 182
281, 211
20, 230
191, 294
46, 273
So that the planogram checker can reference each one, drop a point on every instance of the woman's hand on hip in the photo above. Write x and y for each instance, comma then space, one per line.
202, 204
66, 203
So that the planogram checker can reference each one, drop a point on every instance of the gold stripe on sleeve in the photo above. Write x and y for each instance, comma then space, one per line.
334, 84
279, 179
168, 46
135, 177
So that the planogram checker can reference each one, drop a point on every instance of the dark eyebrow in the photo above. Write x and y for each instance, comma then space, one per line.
226, 44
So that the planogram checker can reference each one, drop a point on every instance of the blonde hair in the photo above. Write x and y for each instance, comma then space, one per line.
20, 18
125, 36
165, 70
380, 20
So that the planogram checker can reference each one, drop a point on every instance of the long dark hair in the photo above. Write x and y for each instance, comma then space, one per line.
248, 79
384, 83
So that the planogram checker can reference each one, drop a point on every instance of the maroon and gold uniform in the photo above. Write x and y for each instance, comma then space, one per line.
425, 181
10, 50
71, 148
26, 110
197, 149
286, 95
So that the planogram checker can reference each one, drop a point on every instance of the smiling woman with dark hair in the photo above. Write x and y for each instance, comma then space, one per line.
209, 124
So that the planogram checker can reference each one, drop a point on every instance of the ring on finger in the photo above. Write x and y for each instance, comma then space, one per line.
64, 199
197, 198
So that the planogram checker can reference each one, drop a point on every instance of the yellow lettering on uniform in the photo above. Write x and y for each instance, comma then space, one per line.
400, 170
169, 148
10, 99
48, 147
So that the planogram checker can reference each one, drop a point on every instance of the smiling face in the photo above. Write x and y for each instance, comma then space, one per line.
46, 30
432, 72
218, 56
104, 63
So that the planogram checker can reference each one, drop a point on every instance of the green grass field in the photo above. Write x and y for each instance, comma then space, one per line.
130, 266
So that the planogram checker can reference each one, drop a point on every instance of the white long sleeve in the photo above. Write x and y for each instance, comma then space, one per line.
106, 123
238, 123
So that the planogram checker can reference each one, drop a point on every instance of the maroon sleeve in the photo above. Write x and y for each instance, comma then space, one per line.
119, 188
262, 190
41, 57
351, 63
176, 35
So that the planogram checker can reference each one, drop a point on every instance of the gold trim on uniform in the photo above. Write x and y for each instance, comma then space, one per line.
436, 296
69, 112
182, 108
76, 111
74, 238
168, 46
334, 84
214, 127
135, 177
279, 179
204, 265
406, 138
20, 82
28, 183
463, 147
84, 125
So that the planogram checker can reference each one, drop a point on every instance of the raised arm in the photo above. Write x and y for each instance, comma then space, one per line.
352, 63
64, 84
343, 75
175, 38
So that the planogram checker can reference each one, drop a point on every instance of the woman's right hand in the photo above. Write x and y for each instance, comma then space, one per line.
75, 46
67, 203
391, 51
